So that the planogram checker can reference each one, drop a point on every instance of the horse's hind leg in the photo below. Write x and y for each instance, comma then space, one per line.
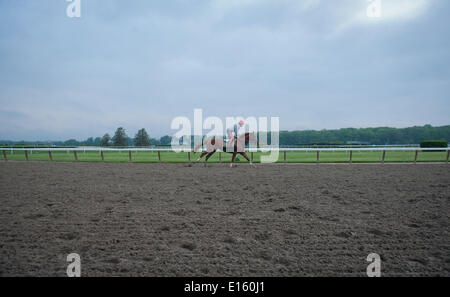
208, 156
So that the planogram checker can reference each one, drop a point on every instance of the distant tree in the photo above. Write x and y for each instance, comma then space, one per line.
71, 142
120, 137
141, 138
105, 140
165, 140
154, 141
89, 141
380, 135
130, 141
97, 141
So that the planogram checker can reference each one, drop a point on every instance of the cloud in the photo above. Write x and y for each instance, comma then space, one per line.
354, 13
316, 64
404, 9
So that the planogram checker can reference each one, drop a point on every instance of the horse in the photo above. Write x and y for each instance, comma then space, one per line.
214, 144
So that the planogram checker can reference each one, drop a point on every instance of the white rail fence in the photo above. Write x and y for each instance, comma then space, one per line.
251, 150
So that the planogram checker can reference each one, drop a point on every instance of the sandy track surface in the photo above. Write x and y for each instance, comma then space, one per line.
176, 220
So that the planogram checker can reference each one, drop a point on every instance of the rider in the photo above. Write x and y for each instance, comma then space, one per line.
235, 130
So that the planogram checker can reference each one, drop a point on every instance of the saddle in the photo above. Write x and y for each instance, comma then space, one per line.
227, 147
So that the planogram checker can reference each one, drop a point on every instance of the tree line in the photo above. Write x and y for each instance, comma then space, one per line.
120, 138
141, 139
376, 136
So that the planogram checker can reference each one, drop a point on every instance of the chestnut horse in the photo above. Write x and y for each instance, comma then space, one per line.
217, 144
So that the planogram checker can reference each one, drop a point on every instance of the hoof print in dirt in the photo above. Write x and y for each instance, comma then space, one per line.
34, 216
230, 240
113, 261
283, 261
69, 236
345, 234
290, 232
415, 261
265, 255
188, 246
414, 225
376, 232
180, 212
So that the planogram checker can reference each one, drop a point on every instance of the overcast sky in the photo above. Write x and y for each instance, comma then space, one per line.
317, 64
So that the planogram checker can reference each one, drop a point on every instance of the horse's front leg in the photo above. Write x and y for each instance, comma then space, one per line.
201, 156
232, 159
248, 159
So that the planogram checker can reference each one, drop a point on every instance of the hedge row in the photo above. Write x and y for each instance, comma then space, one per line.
433, 143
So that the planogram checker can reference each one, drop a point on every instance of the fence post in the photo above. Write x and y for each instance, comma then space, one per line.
50, 155
384, 155
129, 156
415, 157
189, 157
251, 158
26, 154
448, 154
317, 157
220, 157
351, 157
75, 155
6, 159
284, 157
103, 157
159, 156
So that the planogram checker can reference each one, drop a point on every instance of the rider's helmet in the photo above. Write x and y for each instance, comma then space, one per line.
241, 123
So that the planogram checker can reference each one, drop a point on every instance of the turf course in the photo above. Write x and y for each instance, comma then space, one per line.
173, 157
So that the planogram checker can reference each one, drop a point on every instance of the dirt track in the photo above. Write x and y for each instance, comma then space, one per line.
176, 220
